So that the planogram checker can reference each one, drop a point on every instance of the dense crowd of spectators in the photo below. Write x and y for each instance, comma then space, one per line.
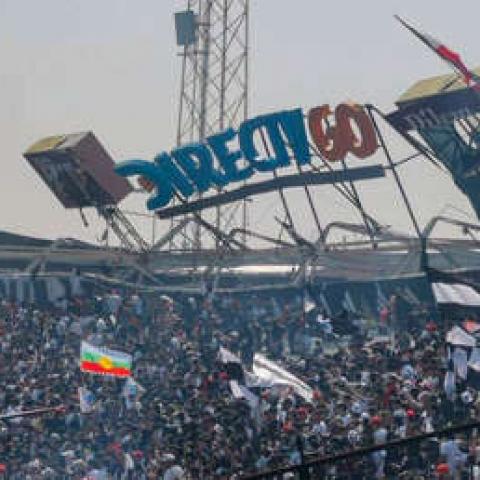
180, 419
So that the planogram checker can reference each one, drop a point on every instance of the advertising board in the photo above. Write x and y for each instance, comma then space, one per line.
216, 162
78, 170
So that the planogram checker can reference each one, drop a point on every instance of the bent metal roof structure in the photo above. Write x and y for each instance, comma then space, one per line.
68, 165
392, 256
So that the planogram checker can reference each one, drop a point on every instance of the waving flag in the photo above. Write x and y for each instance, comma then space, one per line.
451, 57
232, 364
105, 362
271, 374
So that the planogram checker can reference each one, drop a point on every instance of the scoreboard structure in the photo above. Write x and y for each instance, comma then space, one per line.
78, 170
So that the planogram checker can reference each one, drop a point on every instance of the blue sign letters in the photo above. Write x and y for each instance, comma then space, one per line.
198, 167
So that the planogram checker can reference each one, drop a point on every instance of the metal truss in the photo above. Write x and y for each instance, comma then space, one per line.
125, 231
214, 90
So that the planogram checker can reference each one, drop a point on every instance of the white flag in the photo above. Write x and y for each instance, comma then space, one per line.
239, 391
272, 374
226, 356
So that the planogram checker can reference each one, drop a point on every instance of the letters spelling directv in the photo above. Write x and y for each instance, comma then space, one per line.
197, 167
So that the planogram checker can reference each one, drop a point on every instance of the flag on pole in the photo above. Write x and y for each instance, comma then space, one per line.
104, 361
451, 57
17, 415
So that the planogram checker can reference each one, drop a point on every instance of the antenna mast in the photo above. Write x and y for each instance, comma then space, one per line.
214, 38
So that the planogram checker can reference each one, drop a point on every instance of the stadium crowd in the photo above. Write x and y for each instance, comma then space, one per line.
178, 419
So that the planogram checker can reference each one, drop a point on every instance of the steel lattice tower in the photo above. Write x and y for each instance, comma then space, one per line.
214, 87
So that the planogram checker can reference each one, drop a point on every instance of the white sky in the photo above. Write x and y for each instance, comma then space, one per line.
110, 66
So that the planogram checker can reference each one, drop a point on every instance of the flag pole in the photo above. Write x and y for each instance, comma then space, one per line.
35, 412
452, 59
412, 30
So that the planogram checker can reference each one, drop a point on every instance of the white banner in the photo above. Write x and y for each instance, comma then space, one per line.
239, 391
456, 293
226, 356
272, 374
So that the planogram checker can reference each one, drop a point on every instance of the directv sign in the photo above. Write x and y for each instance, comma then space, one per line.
198, 167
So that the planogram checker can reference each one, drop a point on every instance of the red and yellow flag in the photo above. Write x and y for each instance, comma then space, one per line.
104, 361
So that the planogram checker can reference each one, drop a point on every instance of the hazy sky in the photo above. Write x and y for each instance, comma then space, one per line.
110, 66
